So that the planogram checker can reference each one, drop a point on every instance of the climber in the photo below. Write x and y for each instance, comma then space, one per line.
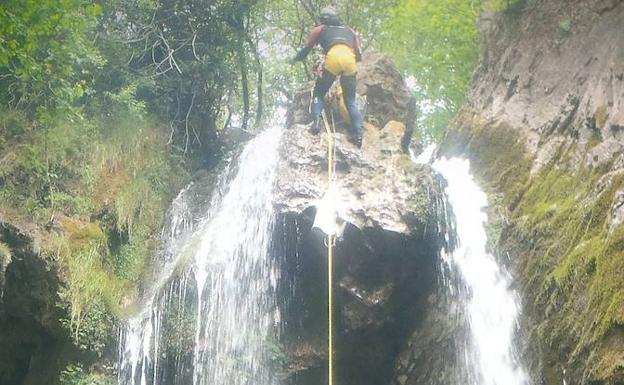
342, 51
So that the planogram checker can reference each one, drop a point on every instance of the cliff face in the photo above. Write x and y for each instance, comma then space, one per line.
543, 128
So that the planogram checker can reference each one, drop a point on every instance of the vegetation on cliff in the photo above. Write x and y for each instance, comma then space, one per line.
556, 226
108, 107
555, 177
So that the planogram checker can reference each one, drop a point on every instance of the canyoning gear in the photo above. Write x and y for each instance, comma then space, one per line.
340, 60
348, 85
342, 50
328, 16
331, 35
328, 36
315, 128
330, 243
360, 101
357, 140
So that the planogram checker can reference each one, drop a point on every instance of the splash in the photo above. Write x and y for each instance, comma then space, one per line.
216, 278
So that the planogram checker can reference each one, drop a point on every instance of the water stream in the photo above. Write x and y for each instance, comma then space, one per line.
217, 279
490, 307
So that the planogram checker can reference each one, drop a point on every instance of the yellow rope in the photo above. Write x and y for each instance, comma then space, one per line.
330, 252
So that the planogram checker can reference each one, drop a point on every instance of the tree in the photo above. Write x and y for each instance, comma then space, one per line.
46, 55
436, 42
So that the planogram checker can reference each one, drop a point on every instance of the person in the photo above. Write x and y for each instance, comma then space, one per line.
342, 52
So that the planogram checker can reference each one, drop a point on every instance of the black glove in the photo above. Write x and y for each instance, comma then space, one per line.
303, 52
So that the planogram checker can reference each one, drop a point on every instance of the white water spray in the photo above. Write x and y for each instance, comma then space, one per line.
491, 307
236, 278
235, 312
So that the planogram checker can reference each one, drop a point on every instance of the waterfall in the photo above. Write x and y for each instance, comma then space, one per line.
490, 307
216, 277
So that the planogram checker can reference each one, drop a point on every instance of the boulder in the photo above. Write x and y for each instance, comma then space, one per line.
385, 259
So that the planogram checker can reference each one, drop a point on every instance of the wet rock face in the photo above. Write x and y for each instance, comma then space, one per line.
378, 184
386, 258
30, 334
382, 280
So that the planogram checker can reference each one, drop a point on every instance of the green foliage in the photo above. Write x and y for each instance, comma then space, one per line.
120, 170
436, 42
179, 326
565, 25
201, 58
81, 251
601, 115
5, 258
46, 54
578, 254
75, 374
277, 354
93, 333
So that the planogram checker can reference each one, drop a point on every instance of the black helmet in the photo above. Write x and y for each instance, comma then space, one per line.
329, 16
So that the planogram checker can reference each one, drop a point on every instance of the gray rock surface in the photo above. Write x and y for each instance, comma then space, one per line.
551, 79
547, 82
378, 184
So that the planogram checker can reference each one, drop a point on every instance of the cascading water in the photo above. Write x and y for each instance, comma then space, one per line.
227, 289
491, 308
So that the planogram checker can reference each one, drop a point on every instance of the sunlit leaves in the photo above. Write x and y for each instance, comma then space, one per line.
45, 46
436, 41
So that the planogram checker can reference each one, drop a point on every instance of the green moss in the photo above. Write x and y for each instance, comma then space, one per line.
565, 25
96, 191
5, 255
75, 374
5, 259
578, 262
81, 252
602, 114
497, 152
570, 265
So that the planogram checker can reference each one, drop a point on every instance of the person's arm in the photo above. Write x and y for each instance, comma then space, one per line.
313, 38
356, 47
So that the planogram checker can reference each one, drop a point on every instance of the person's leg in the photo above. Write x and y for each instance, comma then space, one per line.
321, 87
348, 84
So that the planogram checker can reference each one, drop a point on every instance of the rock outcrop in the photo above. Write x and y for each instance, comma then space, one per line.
543, 129
386, 257
31, 336
378, 184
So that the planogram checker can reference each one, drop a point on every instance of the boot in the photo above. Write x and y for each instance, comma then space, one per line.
356, 135
357, 140
315, 127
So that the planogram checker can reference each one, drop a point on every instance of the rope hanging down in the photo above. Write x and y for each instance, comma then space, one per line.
331, 168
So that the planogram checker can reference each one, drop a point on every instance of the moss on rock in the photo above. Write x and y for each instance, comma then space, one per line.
94, 194
569, 264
